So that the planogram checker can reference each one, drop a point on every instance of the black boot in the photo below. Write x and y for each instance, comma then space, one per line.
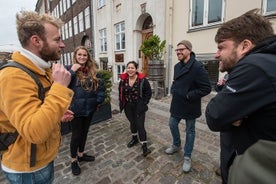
146, 151
133, 141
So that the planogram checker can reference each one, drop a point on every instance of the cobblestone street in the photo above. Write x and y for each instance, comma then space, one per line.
117, 164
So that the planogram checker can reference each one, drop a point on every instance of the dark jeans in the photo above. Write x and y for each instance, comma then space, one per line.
190, 134
42, 176
137, 123
80, 127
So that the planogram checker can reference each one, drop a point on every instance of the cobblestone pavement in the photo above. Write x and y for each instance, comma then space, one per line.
117, 164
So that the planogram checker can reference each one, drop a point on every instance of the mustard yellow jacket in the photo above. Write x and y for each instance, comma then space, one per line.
36, 122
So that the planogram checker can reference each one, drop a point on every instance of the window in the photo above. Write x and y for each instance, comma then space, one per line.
70, 29
66, 30
68, 4
206, 12
120, 69
64, 6
58, 12
103, 40
120, 36
87, 18
63, 32
81, 22
101, 3
269, 7
76, 29
61, 8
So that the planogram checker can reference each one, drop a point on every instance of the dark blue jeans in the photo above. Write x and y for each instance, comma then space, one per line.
190, 134
42, 176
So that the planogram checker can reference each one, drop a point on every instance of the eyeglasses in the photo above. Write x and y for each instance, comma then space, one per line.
181, 50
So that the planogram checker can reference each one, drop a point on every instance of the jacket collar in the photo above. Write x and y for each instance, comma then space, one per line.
124, 76
22, 59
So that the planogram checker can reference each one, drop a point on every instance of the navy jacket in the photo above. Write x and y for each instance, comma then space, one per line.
85, 102
190, 84
249, 95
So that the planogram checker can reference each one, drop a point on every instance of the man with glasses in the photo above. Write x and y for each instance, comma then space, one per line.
190, 84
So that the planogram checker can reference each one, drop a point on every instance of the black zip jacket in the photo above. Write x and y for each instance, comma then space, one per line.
249, 95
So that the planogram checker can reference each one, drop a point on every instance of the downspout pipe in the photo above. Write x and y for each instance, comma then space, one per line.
170, 46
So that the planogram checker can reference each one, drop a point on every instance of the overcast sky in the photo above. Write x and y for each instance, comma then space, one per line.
8, 10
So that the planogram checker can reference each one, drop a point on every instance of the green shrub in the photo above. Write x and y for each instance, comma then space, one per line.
106, 76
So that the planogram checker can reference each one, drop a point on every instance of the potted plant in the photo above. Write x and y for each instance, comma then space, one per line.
104, 111
153, 48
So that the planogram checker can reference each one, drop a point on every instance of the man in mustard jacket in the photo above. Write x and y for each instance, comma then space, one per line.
36, 121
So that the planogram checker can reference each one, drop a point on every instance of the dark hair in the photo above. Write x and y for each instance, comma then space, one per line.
251, 26
134, 63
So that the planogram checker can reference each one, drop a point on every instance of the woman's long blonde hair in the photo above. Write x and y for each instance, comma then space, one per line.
91, 67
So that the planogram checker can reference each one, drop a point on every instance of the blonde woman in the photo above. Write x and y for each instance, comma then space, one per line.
89, 93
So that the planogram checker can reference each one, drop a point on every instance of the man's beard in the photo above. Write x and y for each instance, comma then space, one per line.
48, 54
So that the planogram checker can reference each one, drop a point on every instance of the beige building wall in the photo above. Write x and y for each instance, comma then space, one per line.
177, 27
171, 20
133, 15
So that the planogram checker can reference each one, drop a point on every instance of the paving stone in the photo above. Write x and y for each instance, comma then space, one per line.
117, 164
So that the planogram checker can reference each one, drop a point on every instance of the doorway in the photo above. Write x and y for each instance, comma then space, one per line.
147, 32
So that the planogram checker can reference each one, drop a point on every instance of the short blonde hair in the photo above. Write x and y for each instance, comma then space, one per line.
30, 23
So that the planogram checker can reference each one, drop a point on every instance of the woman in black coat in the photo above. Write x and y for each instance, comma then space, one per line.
89, 92
134, 95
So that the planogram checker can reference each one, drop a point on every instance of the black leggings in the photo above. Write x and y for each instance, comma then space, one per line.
137, 123
80, 126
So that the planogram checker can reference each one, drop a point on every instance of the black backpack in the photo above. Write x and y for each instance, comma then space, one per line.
6, 139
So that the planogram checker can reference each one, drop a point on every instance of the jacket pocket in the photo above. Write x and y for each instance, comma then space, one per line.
141, 107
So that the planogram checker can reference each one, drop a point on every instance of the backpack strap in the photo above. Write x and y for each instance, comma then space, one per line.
41, 93
41, 96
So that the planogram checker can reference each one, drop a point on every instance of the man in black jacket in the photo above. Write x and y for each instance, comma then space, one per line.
246, 106
190, 84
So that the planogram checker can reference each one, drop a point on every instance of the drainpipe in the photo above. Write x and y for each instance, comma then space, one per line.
170, 46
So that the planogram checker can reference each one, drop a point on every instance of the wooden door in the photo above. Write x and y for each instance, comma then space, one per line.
145, 35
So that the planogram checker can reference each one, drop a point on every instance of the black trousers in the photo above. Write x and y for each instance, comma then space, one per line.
137, 123
227, 154
80, 126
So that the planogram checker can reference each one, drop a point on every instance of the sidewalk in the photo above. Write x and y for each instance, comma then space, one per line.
117, 164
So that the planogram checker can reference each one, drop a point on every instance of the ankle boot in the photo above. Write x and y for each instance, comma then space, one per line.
146, 151
133, 141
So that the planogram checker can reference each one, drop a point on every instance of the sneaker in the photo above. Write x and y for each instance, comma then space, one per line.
86, 158
187, 164
75, 168
172, 150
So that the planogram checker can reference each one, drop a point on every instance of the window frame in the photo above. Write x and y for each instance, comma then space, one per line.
103, 40
120, 33
205, 15
87, 18
81, 22
76, 25
265, 7
101, 3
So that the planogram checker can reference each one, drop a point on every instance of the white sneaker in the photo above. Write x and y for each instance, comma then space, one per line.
187, 164
172, 150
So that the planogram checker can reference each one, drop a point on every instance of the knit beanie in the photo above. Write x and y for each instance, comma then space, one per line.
187, 44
